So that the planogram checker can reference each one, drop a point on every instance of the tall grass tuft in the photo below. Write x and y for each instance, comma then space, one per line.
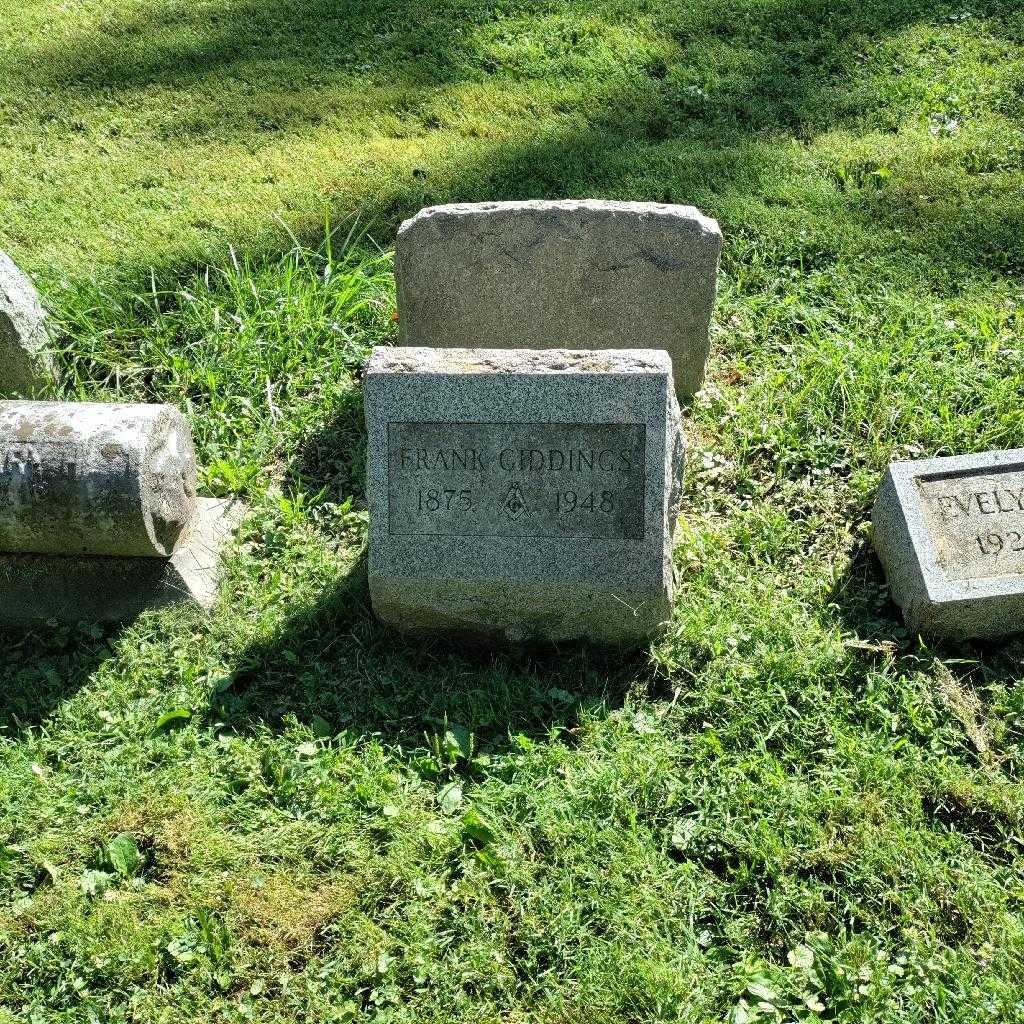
259, 354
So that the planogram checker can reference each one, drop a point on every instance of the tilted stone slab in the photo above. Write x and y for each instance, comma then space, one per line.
523, 494
24, 363
576, 274
950, 535
68, 588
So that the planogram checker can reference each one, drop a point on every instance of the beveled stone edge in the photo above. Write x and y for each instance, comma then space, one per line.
931, 601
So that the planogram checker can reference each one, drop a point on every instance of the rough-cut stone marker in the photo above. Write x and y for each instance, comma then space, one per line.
523, 494
571, 274
94, 479
950, 535
24, 364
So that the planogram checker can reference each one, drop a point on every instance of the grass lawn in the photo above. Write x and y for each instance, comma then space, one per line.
788, 809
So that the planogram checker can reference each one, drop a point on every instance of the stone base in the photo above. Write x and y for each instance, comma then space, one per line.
513, 614
37, 588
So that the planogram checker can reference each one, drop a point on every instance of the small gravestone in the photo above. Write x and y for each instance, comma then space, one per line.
24, 365
950, 535
523, 494
99, 517
576, 274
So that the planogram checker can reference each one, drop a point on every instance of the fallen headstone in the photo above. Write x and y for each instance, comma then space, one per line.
950, 535
575, 274
99, 517
24, 365
523, 494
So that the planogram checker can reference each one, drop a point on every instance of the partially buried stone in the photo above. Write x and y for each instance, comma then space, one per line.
95, 479
523, 494
24, 362
950, 535
576, 274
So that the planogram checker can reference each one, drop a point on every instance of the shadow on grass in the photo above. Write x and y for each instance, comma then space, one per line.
339, 664
699, 117
43, 667
332, 460
861, 599
299, 45
774, 60
861, 602
863, 605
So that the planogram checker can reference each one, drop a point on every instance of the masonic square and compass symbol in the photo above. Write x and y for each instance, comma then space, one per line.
513, 503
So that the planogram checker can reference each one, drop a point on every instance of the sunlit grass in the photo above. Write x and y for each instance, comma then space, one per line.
782, 811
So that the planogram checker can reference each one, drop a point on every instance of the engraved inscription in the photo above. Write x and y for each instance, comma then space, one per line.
49, 471
39, 471
514, 503
581, 480
976, 521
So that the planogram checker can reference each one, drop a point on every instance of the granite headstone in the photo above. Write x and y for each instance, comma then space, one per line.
523, 494
576, 274
950, 535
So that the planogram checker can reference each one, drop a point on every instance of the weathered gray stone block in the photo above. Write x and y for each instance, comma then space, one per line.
584, 274
24, 364
68, 588
950, 535
99, 518
88, 478
523, 494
